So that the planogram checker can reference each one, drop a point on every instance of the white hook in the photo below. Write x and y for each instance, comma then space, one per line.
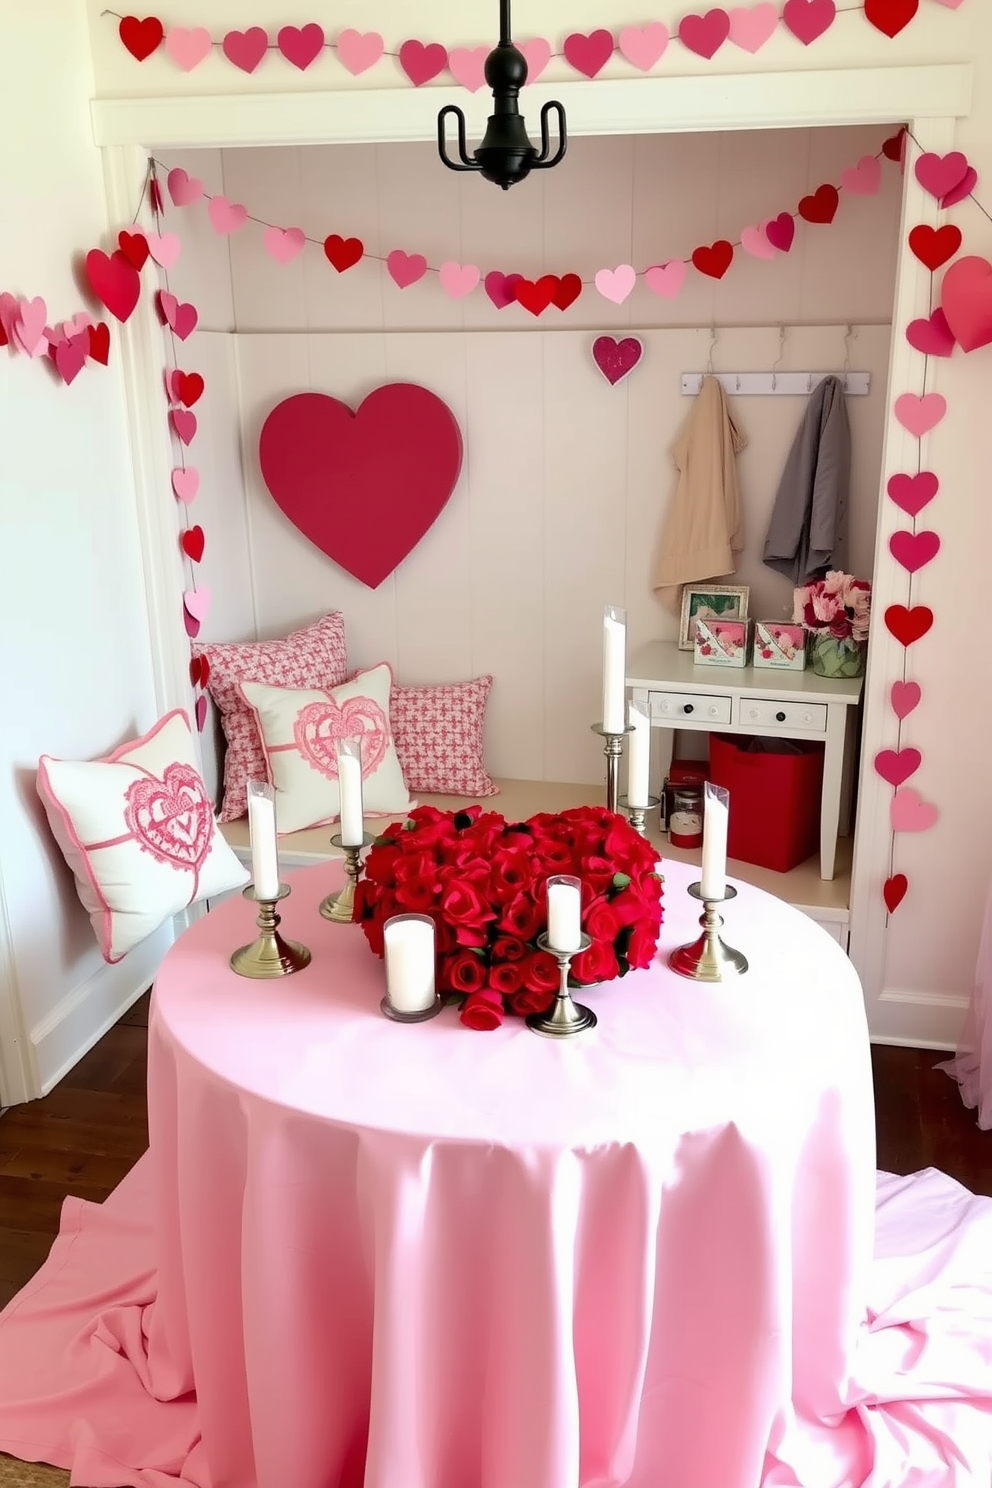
738, 387
713, 340
781, 354
809, 383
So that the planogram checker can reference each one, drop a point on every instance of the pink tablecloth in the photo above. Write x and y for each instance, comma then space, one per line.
363, 1255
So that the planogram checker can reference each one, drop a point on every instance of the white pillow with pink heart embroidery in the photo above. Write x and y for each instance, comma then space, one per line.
299, 729
137, 829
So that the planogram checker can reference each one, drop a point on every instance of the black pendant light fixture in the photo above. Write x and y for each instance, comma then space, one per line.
506, 155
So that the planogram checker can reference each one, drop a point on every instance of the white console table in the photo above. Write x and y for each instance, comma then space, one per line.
679, 694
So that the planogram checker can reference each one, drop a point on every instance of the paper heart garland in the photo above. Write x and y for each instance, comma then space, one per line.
550, 289
666, 279
184, 423
908, 625
200, 711
932, 335
164, 248
422, 63
964, 188
615, 359
808, 19
714, 259
141, 37
467, 66
754, 240
590, 53
781, 231
99, 339
934, 246
343, 253
192, 625
705, 34
919, 414
537, 54
821, 206
904, 697
616, 284
284, 243
199, 670
896, 766
751, 26
458, 280
406, 268
188, 47
185, 387
226, 217
28, 326
911, 493
70, 356
193, 543
908, 812
245, 49
181, 318
890, 16
114, 281
358, 51
966, 300
301, 45
643, 46
939, 174
501, 288
863, 179
186, 483
183, 188
196, 603
914, 550
894, 891
134, 247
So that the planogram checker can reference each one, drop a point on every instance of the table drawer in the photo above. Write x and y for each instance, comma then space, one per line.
689, 707
773, 713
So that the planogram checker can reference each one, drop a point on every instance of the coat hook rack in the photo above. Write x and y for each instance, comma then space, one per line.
776, 384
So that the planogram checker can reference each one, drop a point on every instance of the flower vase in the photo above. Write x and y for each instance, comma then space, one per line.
830, 657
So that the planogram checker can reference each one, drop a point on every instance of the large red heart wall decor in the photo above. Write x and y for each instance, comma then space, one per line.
362, 485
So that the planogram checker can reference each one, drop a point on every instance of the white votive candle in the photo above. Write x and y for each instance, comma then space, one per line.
409, 941
264, 844
716, 813
349, 756
614, 669
638, 756
564, 914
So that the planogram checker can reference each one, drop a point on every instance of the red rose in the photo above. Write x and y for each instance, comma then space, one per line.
381, 863
506, 977
601, 922
541, 972
649, 886
629, 906
643, 944
528, 1001
597, 964
522, 917
597, 874
481, 1013
465, 972
555, 857
417, 895
510, 874
463, 904
471, 935
508, 948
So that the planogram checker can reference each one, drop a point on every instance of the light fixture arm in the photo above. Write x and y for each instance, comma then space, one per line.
464, 161
542, 162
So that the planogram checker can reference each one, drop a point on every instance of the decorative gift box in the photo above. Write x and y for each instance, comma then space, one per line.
721, 643
780, 644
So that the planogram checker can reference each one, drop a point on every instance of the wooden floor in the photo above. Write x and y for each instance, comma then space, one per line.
86, 1135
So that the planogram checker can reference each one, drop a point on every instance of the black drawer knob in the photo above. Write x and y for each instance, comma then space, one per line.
779, 717
686, 707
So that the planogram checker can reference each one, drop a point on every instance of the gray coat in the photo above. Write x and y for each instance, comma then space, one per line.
807, 534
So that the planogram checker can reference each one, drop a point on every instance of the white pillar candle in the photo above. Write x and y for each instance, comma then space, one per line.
349, 756
614, 669
716, 812
564, 914
409, 942
638, 756
264, 843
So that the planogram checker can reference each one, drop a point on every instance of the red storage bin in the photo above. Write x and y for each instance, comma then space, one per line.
775, 787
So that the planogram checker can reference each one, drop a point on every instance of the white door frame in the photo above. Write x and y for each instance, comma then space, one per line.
929, 98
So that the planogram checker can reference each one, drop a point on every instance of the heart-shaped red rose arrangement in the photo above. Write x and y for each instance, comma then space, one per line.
482, 879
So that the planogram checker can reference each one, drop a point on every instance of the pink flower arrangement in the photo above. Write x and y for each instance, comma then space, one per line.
837, 605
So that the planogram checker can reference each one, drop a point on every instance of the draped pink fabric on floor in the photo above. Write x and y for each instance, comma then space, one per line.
972, 1064
361, 1255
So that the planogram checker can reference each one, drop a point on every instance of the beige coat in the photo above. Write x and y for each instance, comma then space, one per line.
704, 525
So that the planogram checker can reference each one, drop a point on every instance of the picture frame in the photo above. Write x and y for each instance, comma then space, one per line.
713, 601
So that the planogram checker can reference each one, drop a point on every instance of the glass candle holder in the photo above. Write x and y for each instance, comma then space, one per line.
564, 913
411, 992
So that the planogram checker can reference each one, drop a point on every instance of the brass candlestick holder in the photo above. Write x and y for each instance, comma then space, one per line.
708, 959
565, 1017
613, 749
269, 955
637, 815
339, 908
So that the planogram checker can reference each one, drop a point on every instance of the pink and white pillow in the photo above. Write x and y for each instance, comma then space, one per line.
298, 729
313, 657
137, 829
440, 737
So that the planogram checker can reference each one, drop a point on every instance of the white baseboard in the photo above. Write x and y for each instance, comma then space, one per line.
916, 1020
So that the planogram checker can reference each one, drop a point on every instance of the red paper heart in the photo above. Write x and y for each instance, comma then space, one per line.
933, 246
500, 288
181, 318
343, 253
114, 281
616, 358
896, 766
588, 54
890, 16
894, 148
964, 188
781, 231
171, 818
364, 487
301, 45
808, 19
186, 387
911, 493
567, 290
939, 174
195, 669
908, 625
536, 296
714, 259
184, 424
931, 335
913, 550
191, 623
99, 339
245, 49
966, 299
894, 891
904, 697
70, 356
192, 543
821, 206
422, 63
134, 247
141, 37
200, 711
705, 34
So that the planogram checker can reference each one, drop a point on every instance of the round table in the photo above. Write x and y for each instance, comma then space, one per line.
416, 1256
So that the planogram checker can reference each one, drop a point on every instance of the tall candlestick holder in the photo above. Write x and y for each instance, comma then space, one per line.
339, 908
613, 749
269, 954
637, 815
565, 1017
708, 959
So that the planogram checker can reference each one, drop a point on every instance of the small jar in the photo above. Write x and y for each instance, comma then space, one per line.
685, 813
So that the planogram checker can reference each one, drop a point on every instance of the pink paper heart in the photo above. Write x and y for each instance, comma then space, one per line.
863, 179
966, 300
70, 356
905, 696
964, 188
466, 65
754, 240
422, 63
500, 288
911, 493
180, 318
77, 325
643, 46
226, 216
406, 268
29, 326
301, 45
588, 53
245, 49
196, 602
910, 813
183, 188
53, 335
184, 423
933, 336
920, 415
200, 711
164, 249
913, 550
358, 50
809, 19
666, 279
896, 766
751, 26
284, 243
188, 47
458, 280
186, 483
705, 34
939, 174
616, 358
949, 4
781, 231
616, 284
537, 53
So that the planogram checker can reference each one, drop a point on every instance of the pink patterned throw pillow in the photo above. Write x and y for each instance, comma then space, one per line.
439, 736
314, 657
